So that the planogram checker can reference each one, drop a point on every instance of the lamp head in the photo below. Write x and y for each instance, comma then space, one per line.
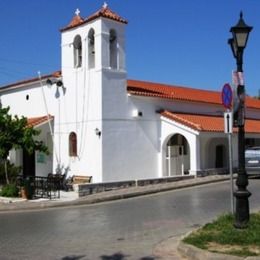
233, 47
240, 33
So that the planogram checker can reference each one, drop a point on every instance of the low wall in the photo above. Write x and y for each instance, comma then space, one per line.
214, 171
91, 188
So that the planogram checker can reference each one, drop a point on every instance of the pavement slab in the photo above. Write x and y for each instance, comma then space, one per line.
71, 198
167, 249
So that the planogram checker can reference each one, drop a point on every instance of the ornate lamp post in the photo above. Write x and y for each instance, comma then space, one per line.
240, 33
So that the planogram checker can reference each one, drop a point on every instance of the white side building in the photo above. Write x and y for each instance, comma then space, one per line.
98, 123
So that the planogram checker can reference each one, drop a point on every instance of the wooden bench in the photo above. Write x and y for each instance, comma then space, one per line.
77, 179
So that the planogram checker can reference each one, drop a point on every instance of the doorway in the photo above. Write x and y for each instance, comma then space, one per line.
28, 163
219, 156
177, 155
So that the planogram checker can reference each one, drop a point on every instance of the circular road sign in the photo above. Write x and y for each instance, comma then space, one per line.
227, 96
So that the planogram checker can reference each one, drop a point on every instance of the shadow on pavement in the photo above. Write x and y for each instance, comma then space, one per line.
73, 257
148, 258
116, 256
120, 256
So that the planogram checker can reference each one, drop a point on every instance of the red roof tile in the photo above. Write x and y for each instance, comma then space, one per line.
149, 89
206, 123
252, 126
76, 21
105, 12
56, 74
35, 121
144, 88
197, 122
158, 90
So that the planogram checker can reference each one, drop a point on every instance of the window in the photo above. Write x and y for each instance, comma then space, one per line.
113, 49
91, 49
77, 47
73, 144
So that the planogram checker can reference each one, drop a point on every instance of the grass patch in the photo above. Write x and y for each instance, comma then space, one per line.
221, 236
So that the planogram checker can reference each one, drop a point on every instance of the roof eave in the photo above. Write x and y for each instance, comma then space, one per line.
42, 122
28, 82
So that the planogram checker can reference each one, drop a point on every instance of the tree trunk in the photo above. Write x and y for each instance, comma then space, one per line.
6, 172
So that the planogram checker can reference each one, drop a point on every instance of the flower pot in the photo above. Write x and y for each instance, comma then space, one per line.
23, 192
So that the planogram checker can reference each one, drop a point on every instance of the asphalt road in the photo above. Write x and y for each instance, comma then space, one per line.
119, 230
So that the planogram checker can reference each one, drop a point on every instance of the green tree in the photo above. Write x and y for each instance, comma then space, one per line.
14, 134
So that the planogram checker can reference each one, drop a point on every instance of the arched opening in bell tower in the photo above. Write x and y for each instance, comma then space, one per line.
91, 48
77, 49
113, 49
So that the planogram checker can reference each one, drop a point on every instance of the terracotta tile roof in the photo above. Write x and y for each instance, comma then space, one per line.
197, 122
105, 12
149, 89
76, 21
143, 88
157, 90
36, 121
206, 123
252, 102
252, 126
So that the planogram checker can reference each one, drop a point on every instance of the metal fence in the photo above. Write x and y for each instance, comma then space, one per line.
41, 187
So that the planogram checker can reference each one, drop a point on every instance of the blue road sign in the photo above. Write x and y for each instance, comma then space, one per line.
227, 96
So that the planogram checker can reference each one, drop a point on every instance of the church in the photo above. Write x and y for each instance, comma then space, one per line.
97, 122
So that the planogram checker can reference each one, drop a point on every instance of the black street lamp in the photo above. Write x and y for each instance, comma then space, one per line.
240, 34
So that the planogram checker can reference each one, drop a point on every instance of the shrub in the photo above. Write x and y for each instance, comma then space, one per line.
13, 172
9, 190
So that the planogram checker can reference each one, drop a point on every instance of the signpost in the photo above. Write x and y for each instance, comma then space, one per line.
228, 122
227, 97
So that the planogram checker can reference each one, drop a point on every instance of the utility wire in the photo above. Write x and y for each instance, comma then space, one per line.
48, 115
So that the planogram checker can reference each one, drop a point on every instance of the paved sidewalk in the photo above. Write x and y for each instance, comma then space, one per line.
71, 198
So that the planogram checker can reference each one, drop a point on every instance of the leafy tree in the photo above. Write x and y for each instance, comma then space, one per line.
14, 134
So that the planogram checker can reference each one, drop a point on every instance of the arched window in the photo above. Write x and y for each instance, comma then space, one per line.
73, 144
91, 49
113, 49
77, 48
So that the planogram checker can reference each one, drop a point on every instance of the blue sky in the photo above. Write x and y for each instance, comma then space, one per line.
179, 42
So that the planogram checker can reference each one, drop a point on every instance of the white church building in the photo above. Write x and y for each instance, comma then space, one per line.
97, 122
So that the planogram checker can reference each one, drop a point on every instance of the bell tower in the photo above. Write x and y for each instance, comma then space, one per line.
110, 38
94, 74
96, 42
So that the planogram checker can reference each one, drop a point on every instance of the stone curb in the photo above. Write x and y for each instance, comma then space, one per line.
112, 195
191, 252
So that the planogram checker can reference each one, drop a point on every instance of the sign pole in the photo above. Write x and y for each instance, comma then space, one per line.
227, 98
228, 123
231, 171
